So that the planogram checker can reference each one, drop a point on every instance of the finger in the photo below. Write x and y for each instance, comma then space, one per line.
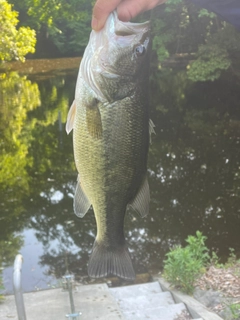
101, 11
129, 9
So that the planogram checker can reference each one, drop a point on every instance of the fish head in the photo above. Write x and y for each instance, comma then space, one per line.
117, 58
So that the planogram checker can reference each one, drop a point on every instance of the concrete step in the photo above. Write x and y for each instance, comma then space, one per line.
136, 290
144, 302
148, 301
93, 301
170, 312
197, 310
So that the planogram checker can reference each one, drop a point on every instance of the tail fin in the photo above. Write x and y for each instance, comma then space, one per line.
106, 261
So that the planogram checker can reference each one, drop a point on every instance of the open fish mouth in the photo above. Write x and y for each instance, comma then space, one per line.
118, 32
102, 52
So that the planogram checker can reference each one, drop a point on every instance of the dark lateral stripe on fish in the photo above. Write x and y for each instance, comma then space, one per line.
104, 262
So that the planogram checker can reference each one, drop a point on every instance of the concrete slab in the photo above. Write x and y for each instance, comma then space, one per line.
171, 312
136, 290
93, 301
145, 302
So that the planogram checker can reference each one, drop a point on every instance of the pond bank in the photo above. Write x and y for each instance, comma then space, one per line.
36, 66
219, 290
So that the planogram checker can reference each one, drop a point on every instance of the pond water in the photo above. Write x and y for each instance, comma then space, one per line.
193, 167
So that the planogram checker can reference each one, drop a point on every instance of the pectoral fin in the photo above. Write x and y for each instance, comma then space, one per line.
142, 199
81, 204
71, 117
93, 119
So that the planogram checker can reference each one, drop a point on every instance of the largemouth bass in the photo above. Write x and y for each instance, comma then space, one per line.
110, 123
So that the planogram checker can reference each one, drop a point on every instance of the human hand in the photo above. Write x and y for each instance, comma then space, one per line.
126, 9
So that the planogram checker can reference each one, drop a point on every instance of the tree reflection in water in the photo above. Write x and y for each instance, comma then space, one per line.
193, 171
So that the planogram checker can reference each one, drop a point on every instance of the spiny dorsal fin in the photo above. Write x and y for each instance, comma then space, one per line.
142, 199
71, 117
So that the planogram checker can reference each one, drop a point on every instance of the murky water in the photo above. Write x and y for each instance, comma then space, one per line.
194, 175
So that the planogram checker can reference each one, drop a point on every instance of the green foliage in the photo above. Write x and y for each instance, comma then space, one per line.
206, 13
184, 265
209, 64
197, 247
65, 24
159, 43
232, 259
214, 260
14, 43
172, 5
73, 37
18, 96
235, 309
15, 105
216, 55
180, 28
9, 248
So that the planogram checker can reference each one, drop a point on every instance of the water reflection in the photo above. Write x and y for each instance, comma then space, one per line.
193, 174
194, 161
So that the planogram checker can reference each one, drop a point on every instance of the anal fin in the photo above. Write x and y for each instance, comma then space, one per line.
151, 129
81, 204
141, 202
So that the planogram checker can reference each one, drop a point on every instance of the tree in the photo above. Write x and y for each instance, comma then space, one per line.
14, 43
60, 24
210, 44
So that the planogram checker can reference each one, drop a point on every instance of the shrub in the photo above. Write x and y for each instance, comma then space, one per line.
184, 265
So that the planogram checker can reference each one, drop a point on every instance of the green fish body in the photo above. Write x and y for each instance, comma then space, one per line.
110, 123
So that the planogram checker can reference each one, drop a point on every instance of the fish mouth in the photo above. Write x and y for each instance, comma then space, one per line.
118, 32
115, 35
129, 28
121, 35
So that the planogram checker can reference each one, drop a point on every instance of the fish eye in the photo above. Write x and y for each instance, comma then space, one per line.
139, 50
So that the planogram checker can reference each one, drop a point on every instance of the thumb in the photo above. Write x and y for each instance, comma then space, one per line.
129, 9
101, 11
